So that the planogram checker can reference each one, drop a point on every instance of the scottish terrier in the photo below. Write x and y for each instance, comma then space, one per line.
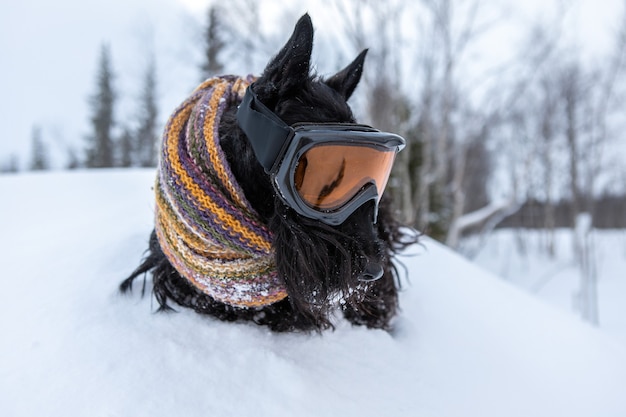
237, 237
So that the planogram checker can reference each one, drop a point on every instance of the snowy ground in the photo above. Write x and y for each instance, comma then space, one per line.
466, 344
557, 280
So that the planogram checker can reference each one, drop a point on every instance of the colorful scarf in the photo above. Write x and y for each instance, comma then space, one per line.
205, 226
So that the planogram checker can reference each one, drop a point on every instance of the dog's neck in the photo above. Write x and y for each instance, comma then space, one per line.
206, 227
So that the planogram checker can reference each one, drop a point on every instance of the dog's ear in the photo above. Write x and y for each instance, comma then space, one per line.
289, 69
346, 80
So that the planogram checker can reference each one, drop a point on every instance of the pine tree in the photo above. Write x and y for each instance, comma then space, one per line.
213, 45
73, 161
10, 165
100, 148
126, 148
39, 153
147, 133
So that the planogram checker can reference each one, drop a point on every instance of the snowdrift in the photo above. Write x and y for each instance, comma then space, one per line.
466, 344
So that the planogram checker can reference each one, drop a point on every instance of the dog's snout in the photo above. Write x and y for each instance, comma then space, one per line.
373, 271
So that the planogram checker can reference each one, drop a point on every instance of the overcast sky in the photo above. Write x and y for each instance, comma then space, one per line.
49, 52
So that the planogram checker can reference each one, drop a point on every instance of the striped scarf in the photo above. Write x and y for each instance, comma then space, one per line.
205, 226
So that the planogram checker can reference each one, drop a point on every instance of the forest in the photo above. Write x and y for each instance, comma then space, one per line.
527, 138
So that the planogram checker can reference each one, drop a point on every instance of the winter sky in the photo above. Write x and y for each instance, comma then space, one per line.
49, 53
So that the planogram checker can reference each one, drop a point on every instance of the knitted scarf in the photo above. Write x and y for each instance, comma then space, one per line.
205, 226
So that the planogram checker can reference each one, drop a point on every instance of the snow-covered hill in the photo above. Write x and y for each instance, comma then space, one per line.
466, 344
520, 257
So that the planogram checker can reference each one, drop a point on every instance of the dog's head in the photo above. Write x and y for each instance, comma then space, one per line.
289, 89
319, 262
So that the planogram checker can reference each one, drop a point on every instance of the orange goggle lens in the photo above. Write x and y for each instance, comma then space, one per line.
327, 176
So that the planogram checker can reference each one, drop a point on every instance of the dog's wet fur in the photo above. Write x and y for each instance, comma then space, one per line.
325, 269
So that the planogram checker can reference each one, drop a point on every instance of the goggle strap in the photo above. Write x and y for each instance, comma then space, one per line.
266, 132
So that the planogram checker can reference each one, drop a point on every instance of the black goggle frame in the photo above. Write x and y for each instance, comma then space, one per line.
278, 148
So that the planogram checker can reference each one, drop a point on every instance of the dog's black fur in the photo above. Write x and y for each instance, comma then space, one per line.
322, 266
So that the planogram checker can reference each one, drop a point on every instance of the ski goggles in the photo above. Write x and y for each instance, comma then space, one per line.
322, 171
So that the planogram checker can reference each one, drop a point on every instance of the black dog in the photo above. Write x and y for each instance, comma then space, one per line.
323, 267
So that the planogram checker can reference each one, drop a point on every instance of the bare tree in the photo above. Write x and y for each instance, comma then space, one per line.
214, 43
587, 296
572, 95
461, 128
146, 136
547, 112
586, 155
388, 106
433, 110
241, 32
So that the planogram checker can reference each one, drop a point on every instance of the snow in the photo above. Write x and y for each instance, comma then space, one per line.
557, 280
466, 342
